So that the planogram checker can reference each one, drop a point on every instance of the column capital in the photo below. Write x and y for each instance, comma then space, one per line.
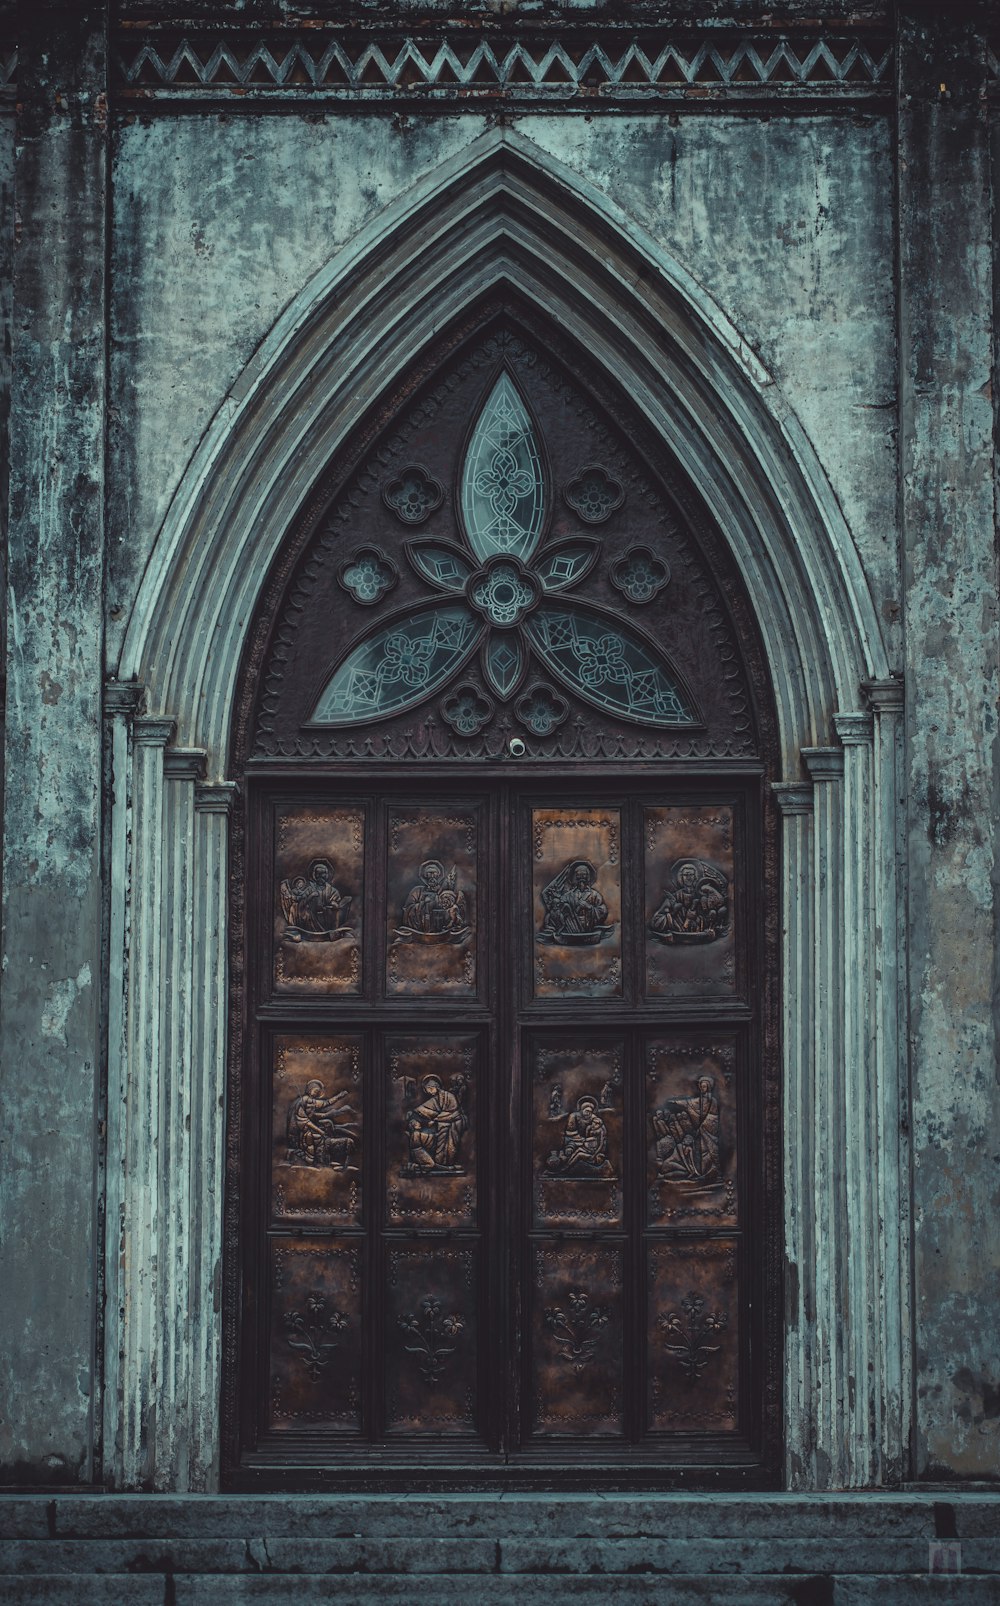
793, 797
824, 763
123, 698
215, 797
885, 696
184, 763
854, 730
154, 730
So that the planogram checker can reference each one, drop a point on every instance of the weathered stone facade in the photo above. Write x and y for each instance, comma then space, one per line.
224, 230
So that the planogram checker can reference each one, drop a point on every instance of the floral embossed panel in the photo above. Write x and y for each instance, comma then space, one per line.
689, 900
576, 1133
576, 902
318, 905
432, 901
576, 1335
693, 1337
430, 1094
316, 1152
315, 1354
431, 1339
691, 1118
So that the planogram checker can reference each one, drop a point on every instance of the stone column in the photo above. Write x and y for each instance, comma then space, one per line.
947, 414
795, 800
891, 1110
213, 805
828, 1138
50, 1003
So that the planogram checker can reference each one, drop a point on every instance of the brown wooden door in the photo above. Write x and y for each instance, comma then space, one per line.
507, 1054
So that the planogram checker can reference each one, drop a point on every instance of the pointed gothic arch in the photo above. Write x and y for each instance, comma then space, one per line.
504, 213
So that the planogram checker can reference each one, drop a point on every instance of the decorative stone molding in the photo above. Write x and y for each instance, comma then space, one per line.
602, 66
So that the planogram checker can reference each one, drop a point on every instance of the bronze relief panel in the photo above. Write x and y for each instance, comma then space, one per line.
315, 1360
576, 902
577, 1134
693, 1337
691, 1131
431, 1340
577, 1339
689, 898
316, 1129
432, 902
431, 1131
319, 899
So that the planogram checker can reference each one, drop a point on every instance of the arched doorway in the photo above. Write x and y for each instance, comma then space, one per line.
509, 1100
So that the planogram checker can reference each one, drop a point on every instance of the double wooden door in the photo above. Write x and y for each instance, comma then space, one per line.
505, 1182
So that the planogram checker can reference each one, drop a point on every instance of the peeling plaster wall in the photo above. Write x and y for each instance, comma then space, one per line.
220, 221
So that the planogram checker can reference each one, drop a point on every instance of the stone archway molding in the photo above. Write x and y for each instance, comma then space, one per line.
504, 213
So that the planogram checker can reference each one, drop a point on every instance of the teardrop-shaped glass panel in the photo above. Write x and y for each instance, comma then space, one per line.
441, 563
401, 664
609, 665
559, 567
503, 487
503, 662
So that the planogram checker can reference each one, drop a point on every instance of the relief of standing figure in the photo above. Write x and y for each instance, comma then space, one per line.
687, 1136
319, 1130
435, 1128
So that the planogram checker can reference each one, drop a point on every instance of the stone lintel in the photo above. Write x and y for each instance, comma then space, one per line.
885, 696
793, 797
152, 730
854, 730
824, 763
185, 763
215, 797
123, 698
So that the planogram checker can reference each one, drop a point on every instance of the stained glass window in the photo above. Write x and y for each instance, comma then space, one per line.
503, 487
608, 665
399, 665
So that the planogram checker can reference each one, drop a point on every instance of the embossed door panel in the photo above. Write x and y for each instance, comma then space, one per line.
576, 1131
317, 1132
319, 886
577, 1334
691, 900
316, 1335
431, 1130
576, 902
432, 912
431, 1338
691, 1129
693, 1341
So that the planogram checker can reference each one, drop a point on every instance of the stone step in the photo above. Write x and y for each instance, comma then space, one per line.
310, 1589
490, 1516
409, 1555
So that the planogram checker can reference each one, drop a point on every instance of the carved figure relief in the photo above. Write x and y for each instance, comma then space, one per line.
318, 905
313, 908
436, 1124
576, 914
687, 1136
576, 883
695, 907
435, 910
691, 897
583, 1152
321, 1131
432, 901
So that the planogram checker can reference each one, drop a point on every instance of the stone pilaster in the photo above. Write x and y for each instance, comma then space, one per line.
795, 801
828, 1138
891, 1106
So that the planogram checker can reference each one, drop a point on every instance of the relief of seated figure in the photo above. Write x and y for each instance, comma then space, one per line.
696, 905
